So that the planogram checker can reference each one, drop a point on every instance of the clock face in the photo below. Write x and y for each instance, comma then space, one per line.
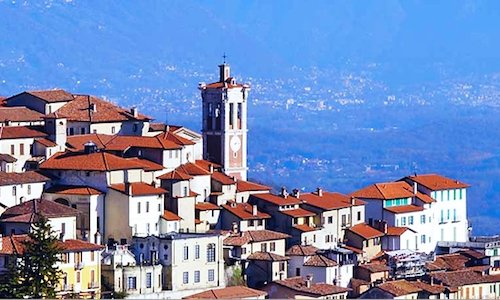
235, 143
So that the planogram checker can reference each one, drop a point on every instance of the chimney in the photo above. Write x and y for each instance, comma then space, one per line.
284, 193
235, 227
353, 201
415, 188
309, 278
432, 280
133, 111
211, 168
296, 193
93, 107
254, 210
319, 191
97, 238
90, 147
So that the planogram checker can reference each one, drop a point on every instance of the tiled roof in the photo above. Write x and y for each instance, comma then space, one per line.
205, 165
329, 201
21, 178
463, 277
386, 190
301, 250
277, 200
396, 231
79, 245
7, 158
175, 175
47, 208
402, 209
230, 292
304, 228
19, 114
365, 231
79, 110
45, 142
319, 260
138, 189
77, 142
14, 244
299, 285
97, 161
267, 256
73, 190
223, 84
147, 165
248, 186
52, 96
192, 169
353, 249
170, 216
431, 289
244, 211
19, 132
374, 267
437, 182
191, 194
399, 287
206, 206
297, 212
124, 142
251, 236
175, 138
222, 178
449, 262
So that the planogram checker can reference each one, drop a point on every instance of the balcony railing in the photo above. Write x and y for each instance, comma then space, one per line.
93, 285
79, 265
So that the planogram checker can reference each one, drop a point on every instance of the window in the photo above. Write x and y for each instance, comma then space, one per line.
196, 276
149, 280
78, 277
410, 220
460, 193
211, 275
231, 113
344, 222
197, 251
272, 246
29, 189
12, 150
442, 216
82, 130
113, 129
330, 220
147, 206
185, 277
422, 239
454, 215
185, 191
422, 219
159, 206
211, 252
251, 223
403, 221
71, 131
186, 252
148, 228
447, 214
92, 256
138, 207
132, 283
92, 276
282, 266
263, 247
135, 127
243, 250
359, 216
21, 149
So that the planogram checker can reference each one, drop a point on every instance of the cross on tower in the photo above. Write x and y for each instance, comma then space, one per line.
224, 57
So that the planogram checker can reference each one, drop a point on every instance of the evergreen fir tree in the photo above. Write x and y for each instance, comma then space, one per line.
34, 274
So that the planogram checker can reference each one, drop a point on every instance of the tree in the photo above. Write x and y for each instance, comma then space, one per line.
34, 273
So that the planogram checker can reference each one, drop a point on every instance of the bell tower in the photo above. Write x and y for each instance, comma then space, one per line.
225, 123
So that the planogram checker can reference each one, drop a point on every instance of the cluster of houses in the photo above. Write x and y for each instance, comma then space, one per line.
161, 211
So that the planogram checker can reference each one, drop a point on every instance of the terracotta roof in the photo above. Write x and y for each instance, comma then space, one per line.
175, 138
365, 231
205, 165
73, 190
437, 182
330, 201
353, 249
206, 206
45, 142
155, 126
26, 211
463, 277
192, 169
147, 165
191, 194
77, 142
396, 231
267, 256
299, 285
297, 212
431, 289
138, 189
374, 267
473, 254
319, 260
14, 244
248, 186
384, 191
402, 209
19, 132
52, 96
170, 216
19, 114
244, 211
79, 245
175, 175
124, 142
222, 178
251, 236
399, 287
230, 292
79, 110
21, 178
223, 84
304, 228
449, 262
7, 158
97, 161
301, 250
277, 200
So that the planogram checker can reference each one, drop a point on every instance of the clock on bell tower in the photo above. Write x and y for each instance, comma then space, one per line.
225, 123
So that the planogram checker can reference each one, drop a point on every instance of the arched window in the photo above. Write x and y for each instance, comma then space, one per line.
211, 252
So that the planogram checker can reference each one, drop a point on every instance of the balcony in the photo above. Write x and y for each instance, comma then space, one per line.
79, 265
93, 285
